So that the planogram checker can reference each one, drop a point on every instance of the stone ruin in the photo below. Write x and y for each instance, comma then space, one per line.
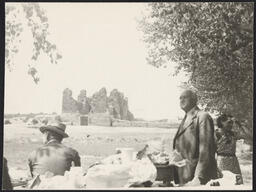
115, 105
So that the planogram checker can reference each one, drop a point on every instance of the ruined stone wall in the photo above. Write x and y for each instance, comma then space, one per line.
116, 105
69, 104
99, 101
83, 104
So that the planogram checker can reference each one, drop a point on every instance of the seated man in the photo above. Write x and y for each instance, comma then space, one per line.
53, 156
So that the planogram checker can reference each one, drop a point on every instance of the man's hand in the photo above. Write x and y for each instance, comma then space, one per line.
175, 156
194, 182
181, 163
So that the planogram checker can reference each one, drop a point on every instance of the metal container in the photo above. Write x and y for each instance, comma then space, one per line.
165, 173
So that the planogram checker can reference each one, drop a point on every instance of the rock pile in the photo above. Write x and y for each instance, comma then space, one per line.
83, 104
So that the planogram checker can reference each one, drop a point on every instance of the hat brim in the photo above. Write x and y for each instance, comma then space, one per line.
53, 129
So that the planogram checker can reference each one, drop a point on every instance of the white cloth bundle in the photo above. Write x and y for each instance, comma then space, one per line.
119, 175
72, 179
141, 171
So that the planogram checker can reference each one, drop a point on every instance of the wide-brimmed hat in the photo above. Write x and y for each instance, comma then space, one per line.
58, 128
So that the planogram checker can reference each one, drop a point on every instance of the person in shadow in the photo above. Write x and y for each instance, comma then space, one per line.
6, 180
226, 137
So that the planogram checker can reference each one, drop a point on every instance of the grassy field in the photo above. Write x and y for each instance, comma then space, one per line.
93, 143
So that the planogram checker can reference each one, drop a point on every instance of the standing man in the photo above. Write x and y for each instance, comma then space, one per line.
194, 140
53, 156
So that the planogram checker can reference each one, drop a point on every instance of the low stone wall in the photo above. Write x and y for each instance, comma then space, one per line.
104, 119
101, 119
124, 123
121, 123
70, 118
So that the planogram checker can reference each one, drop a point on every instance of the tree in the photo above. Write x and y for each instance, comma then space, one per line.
213, 43
32, 16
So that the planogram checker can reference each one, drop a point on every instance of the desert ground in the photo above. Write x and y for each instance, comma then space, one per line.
94, 143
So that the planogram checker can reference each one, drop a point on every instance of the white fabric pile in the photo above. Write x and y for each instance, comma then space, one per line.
113, 173
72, 179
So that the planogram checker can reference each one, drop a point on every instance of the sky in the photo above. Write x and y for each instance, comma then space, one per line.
101, 47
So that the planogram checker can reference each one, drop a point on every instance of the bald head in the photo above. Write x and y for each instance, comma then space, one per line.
188, 100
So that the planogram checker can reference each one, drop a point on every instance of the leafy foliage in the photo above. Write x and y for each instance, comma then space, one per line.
28, 15
213, 43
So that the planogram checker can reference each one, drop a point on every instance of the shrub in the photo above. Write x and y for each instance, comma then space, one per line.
7, 121
35, 121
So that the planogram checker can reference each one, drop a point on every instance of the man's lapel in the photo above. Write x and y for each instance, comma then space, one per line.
179, 130
187, 125
181, 125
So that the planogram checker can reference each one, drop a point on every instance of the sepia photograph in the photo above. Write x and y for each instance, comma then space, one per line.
128, 95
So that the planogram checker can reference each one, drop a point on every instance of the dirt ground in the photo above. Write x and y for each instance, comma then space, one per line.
94, 143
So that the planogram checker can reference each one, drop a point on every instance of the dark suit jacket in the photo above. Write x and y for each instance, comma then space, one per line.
53, 157
6, 180
195, 141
